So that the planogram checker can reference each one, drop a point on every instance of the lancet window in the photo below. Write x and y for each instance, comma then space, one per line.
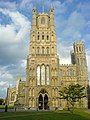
43, 75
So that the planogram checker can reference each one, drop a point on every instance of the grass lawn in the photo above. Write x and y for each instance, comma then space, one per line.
46, 115
3, 107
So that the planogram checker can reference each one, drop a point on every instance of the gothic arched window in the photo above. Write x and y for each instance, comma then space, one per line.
47, 37
38, 75
38, 50
38, 37
47, 50
43, 75
47, 75
42, 37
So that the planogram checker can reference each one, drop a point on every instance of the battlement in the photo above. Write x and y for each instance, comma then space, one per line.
67, 65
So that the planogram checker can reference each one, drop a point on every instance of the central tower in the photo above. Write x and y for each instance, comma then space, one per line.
42, 63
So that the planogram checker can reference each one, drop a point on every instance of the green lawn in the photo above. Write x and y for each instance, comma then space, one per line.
3, 107
46, 115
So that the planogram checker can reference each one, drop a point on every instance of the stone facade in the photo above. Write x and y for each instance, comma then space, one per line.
45, 76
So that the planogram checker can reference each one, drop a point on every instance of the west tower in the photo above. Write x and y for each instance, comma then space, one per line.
42, 62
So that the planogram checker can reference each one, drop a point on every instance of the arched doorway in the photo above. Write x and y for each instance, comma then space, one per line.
43, 100
40, 102
46, 102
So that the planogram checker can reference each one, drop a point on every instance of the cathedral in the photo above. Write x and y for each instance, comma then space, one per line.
45, 76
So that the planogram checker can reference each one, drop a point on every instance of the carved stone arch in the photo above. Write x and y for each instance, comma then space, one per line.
43, 91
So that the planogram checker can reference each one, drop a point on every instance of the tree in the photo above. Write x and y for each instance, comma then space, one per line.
72, 94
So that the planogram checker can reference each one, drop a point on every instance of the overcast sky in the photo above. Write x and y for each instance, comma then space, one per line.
72, 20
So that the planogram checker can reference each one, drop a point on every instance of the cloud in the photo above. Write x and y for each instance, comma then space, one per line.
20, 23
23, 63
26, 3
64, 52
73, 29
3, 84
4, 74
7, 34
13, 37
8, 5
84, 9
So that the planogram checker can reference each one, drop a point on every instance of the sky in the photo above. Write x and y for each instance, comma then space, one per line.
72, 21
